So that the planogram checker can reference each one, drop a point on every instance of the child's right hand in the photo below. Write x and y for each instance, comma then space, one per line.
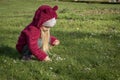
47, 59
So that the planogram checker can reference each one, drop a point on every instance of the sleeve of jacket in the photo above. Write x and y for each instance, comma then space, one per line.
21, 42
52, 39
32, 40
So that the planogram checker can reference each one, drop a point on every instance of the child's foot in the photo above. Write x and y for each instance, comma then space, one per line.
25, 58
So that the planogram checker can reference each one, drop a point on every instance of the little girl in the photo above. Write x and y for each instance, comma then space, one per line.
35, 39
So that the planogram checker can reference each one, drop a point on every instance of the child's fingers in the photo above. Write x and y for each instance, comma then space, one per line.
56, 42
47, 59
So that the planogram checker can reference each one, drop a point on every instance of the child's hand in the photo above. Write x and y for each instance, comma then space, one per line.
47, 59
56, 42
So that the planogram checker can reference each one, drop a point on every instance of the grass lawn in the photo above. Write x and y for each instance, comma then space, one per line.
89, 35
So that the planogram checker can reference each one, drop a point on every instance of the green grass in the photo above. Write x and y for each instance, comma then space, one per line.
89, 35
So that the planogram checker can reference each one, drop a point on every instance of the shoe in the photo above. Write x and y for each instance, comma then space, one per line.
25, 58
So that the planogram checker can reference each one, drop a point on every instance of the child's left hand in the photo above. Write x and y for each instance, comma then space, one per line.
56, 42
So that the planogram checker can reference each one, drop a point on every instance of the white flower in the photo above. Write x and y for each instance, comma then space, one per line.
92, 33
88, 69
77, 28
110, 36
63, 58
14, 61
5, 61
59, 58
51, 68
118, 45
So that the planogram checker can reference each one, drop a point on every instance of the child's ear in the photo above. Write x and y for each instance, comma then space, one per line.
55, 8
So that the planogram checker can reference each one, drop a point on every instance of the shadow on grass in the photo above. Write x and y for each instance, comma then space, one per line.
8, 52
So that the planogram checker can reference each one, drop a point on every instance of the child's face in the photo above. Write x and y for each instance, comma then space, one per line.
44, 28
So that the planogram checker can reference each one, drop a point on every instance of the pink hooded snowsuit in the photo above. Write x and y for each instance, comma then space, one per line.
30, 35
